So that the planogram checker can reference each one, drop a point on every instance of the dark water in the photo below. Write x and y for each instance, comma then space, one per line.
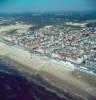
14, 86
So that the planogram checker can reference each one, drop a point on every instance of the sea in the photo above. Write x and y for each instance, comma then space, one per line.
14, 85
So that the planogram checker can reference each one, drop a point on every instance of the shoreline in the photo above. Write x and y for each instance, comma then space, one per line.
36, 79
54, 70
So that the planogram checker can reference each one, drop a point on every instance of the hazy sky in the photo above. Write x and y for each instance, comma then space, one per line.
10, 6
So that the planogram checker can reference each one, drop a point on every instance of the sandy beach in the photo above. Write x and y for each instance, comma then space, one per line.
63, 77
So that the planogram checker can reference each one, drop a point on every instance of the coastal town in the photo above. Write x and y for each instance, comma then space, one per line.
61, 53
67, 42
47, 49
